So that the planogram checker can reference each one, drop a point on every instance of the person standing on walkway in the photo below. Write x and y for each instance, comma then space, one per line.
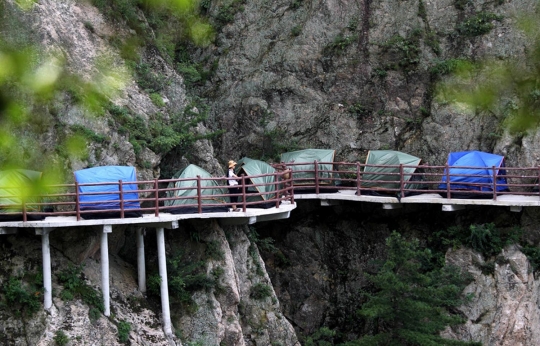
233, 185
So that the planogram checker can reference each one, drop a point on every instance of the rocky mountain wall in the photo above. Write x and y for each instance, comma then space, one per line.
347, 75
357, 75
324, 253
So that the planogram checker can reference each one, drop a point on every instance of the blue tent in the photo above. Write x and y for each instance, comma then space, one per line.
479, 177
90, 197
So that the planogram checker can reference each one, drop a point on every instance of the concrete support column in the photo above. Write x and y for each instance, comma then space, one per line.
46, 252
141, 266
105, 269
160, 233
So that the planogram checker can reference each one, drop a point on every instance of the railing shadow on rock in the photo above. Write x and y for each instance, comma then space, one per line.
152, 197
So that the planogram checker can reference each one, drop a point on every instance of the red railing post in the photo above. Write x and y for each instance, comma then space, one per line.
358, 180
121, 191
316, 177
77, 203
401, 180
277, 179
447, 170
291, 186
156, 199
538, 181
243, 193
199, 195
494, 183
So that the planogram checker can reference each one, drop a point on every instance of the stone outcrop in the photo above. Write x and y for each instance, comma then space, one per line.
503, 309
233, 312
22, 258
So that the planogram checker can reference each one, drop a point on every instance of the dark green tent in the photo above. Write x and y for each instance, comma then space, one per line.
18, 186
388, 177
186, 199
251, 167
307, 157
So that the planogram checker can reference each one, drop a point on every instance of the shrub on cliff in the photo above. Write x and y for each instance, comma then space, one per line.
413, 300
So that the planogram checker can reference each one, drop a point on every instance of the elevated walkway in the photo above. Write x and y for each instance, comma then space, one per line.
329, 186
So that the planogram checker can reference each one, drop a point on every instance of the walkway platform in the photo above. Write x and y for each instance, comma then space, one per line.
515, 202
165, 220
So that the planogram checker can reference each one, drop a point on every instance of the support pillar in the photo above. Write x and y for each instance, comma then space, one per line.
160, 234
141, 266
105, 269
46, 253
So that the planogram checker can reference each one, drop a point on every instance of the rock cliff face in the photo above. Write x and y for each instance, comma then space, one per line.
347, 75
357, 75
239, 307
504, 307
324, 252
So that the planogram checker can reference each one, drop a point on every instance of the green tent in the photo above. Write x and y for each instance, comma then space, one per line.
209, 191
378, 177
309, 156
18, 186
250, 167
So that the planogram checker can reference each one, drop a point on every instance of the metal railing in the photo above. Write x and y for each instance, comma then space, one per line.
402, 180
129, 199
198, 195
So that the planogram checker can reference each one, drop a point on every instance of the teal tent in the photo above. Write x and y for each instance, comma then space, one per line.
250, 167
185, 201
387, 177
18, 186
307, 157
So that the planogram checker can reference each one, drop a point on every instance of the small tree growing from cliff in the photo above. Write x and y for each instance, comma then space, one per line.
413, 299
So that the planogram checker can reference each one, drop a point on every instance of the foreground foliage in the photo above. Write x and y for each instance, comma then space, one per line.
508, 89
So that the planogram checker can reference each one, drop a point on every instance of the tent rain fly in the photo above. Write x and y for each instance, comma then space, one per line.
303, 160
265, 184
184, 197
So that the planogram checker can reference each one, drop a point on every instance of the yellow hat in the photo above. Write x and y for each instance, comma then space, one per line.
232, 164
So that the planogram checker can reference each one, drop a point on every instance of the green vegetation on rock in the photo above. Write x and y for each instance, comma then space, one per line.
75, 286
403, 53
22, 296
60, 338
187, 274
477, 25
123, 331
508, 89
260, 291
412, 300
